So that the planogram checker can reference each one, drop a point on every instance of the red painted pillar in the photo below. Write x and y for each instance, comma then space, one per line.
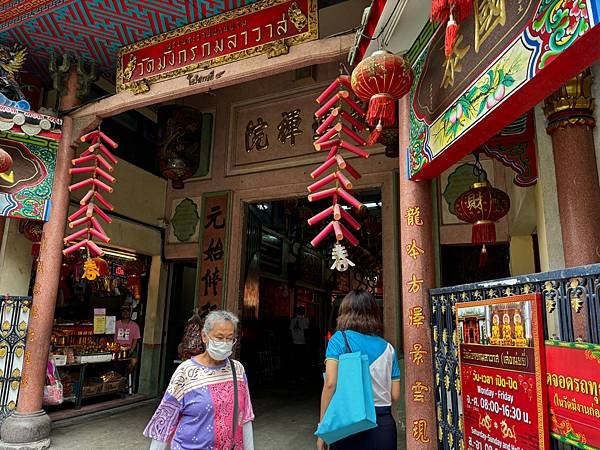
571, 123
30, 427
418, 276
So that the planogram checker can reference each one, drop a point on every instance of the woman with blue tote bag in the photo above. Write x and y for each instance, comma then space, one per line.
359, 329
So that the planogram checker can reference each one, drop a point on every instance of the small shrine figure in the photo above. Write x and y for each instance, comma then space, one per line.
520, 340
507, 338
495, 339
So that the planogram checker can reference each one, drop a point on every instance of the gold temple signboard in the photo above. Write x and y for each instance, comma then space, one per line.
268, 26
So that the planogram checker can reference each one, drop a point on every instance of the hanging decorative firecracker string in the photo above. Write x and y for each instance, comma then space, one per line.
450, 12
99, 155
334, 133
381, 79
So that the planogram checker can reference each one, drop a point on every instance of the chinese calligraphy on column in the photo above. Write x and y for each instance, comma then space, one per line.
213, 250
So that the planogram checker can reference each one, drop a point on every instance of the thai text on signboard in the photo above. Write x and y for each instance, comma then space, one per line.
214, 248
238, 34
573, 378
501, 366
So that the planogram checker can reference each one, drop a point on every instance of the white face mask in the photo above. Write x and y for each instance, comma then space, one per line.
219, 350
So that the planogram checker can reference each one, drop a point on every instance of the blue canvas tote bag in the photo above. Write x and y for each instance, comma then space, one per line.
352, 408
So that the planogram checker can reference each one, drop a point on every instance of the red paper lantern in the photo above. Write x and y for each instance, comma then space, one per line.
6, 161
382, 78
482, 205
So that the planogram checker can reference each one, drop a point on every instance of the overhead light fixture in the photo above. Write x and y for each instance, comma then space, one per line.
118, 254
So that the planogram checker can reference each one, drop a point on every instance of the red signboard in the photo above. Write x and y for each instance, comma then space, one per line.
265, 26
573, 378
502, 368
214, 249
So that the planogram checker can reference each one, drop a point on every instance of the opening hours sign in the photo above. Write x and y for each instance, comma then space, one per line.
503, 374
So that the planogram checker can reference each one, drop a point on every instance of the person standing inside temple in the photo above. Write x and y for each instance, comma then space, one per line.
298, 328
127, 334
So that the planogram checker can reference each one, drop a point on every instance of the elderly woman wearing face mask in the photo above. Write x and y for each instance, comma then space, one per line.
202, 408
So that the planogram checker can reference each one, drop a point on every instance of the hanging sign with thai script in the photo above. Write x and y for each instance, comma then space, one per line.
268, 26
502, 367
214, 249
573, 378
508, 56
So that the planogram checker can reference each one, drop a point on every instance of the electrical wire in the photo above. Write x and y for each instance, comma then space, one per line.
387, 23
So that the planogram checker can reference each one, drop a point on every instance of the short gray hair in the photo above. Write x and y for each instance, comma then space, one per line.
219, 316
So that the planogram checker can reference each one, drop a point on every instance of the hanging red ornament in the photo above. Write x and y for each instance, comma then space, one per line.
336, 135
6, 161
450, 12
451, 36
382, 78
482, 205
102, 266
101, 162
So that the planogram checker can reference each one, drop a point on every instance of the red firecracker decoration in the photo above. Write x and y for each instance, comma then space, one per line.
381, 79
336, 134
482, 205
6, 161
450, 12
97, 161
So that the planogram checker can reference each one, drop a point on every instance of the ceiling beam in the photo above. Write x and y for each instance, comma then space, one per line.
310, 53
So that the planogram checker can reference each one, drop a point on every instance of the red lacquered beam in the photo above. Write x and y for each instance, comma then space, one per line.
350, 220
319, 195
322, 235
349, 198
354, 149
328, 121
320, 216
322, 182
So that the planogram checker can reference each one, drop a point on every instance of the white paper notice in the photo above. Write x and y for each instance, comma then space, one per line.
110, 324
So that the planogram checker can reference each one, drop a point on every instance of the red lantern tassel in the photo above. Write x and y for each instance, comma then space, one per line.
484, 232
439, 11
483, 257
382, 109
451, 36
374, 136
462, 9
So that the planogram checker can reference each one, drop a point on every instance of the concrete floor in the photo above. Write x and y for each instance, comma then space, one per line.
285, 420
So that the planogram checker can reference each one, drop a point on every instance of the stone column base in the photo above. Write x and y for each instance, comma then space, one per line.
26, 431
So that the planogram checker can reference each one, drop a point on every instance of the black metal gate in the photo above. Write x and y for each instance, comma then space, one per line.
14, 318
563, 292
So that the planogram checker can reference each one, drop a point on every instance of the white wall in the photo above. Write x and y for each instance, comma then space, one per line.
15, 261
